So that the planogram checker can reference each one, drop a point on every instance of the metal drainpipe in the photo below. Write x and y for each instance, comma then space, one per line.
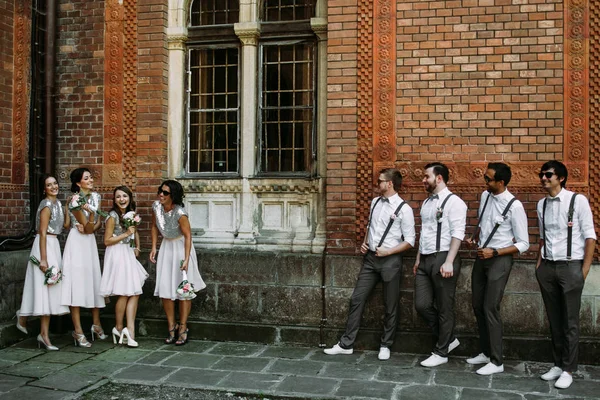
50, 58
322, 343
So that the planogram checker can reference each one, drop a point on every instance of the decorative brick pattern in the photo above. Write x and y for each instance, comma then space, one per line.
6, 88
20, 113
594, 104
130, 66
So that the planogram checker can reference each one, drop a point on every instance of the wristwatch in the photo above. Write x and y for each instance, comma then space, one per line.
495, 253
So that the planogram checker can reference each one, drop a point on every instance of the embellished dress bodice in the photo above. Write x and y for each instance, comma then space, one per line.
57, 216
168, 222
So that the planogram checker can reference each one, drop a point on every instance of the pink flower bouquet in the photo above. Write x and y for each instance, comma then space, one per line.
185, 288
52, 275
131, 219
78, 200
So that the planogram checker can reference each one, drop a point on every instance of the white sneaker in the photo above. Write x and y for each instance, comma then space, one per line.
564, 381
553, 374
454, 344
478, 359
434, 360
490, 368
336, 349
384, 353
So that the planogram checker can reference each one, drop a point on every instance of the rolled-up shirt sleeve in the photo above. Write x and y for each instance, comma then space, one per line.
457, 219
408, 225
586, 219
519, 227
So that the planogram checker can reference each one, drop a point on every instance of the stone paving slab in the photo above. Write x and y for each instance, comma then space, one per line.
121, 355
156, 357
196, 377
404, 375
9, 382
522, 384
379, 390
294, 385
286, 352
477, 394
91, 367
464, 379
35, 393
250, 364
143, 373
421, 392
350, 371
63, 357
33, 369
17, 355
296, 367
193, 360
237, 349
67, 380
190, 347
250, 381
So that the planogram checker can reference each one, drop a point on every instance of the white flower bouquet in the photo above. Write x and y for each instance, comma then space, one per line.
185, 288
78, 201
52, 275
131, 219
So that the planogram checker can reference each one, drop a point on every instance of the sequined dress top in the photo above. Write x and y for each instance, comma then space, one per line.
168, 222
118, 228
93, 199
57, 216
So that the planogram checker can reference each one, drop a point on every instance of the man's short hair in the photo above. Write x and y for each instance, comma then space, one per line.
560, 170
502, 172
439, 169
393, 175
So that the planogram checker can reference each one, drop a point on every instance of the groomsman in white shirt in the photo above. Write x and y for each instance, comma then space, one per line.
437, 266
390, 232
502, 218
567, 242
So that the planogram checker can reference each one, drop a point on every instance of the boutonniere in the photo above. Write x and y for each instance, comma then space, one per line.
570, 218
499, 219
439, 213
393, 216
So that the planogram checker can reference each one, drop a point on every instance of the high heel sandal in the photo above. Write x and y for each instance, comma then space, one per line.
116, 335
41, 342
99, 332
19, 326
80, 340
130, 341
172, 338
180, 341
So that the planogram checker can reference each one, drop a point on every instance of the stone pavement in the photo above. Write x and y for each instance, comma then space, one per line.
266, 370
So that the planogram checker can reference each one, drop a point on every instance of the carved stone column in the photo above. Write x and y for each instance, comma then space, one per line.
248, 33
176, 125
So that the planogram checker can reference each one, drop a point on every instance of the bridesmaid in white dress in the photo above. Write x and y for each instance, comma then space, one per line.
176, 254
123, 274
38, 298
81, 264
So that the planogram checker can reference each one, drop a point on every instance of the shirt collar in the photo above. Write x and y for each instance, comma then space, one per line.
560, 196
394, 199
502, 196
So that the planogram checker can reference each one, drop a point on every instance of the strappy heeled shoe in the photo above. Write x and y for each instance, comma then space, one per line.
98, 332
19, 326
116, 335
80, 340
181, 341
130, 341
172, 338
41, 342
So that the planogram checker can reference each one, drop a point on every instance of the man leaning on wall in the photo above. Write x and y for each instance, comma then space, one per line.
390, 232
567, 242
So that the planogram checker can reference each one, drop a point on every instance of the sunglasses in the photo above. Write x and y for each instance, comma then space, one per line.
381, 180
487, 179
547, 174
164, 192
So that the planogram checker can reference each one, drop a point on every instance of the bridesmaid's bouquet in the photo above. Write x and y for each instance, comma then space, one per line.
185, 288
78, 201
131, 219
52, 275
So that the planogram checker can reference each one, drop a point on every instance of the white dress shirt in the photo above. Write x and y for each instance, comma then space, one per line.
513, 226
557, 210
454, 220
403, 226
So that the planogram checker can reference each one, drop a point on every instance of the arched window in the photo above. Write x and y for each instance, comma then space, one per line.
214, 12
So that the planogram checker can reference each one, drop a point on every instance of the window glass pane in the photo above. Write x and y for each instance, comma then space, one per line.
288, 10
213, 110
214, 12
287, 107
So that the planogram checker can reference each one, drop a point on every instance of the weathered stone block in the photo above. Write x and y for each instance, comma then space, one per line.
522, 279
238, 303
301, 269
521, 313
291, 305
344, 270
586, 316
239, 267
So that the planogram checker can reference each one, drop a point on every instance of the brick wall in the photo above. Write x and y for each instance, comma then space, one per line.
6, 88
342, 122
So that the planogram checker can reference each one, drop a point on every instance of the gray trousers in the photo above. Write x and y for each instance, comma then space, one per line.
561, 284
389, 271
488, 281
434, 298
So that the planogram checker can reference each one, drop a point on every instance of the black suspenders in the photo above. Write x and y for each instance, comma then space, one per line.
569, 225
438, 233
496, 226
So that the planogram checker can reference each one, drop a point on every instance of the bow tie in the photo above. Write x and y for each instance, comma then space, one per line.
384, 199
554, 198
433, 197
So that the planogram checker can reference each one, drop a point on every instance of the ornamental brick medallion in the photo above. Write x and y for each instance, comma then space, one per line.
20, 114
364, 161
576, 87
594, 104
112, 169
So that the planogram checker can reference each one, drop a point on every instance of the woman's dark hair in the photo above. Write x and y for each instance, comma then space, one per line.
76, 176
176, 190
43, 182
130, 207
